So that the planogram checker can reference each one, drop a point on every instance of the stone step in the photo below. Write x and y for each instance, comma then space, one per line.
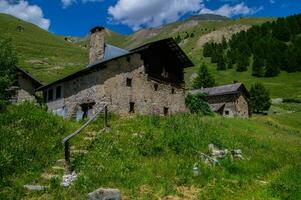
58, 168
89, 138
61, 163
48, 176
79, 151
92, 134
36, 187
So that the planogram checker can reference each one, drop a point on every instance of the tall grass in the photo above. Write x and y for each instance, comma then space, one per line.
153, 157
30, 140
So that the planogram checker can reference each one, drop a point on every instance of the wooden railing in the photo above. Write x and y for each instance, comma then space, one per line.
66, 140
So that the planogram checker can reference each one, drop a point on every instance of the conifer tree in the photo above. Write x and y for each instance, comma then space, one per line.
271, 69
221, 65
259, 98
258, 67
204, 78
242, 62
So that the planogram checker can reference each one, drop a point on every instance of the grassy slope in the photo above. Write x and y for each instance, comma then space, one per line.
155, 159
57, 57
30, 141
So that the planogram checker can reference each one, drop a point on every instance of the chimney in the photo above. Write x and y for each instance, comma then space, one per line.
97, 44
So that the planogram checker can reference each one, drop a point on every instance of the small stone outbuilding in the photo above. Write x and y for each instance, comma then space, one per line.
145, 80
24, 88
227, 100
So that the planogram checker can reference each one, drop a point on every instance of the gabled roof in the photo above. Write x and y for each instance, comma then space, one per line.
169, 43
34, 79
222, 90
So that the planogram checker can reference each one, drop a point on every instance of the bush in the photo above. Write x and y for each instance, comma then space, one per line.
8, 61
197, 104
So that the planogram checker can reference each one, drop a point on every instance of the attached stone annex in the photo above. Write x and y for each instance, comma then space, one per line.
227, 100
145, 80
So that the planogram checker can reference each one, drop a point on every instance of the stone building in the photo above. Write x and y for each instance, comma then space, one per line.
145, 80
227, 100
24, 89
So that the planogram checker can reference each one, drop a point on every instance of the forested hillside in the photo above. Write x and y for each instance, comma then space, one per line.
268, 48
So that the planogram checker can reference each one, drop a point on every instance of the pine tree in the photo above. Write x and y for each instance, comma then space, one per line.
207, 50
242, 62
203, 79
221, 65
259, 98
258, 67
271, 69
224, 43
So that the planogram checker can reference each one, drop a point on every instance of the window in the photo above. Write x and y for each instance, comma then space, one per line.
165, 110
129, 82
50, 94
128, 59
58, 92
156, 87
132, 107
227, 112
173, 91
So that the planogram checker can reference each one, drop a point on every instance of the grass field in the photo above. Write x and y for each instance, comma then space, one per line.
152, 157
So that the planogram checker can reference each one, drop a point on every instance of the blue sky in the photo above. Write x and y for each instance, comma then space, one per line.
76, 17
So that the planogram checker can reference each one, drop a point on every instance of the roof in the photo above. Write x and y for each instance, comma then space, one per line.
34, 79
221, 90
115, 53
216, 107
112, 52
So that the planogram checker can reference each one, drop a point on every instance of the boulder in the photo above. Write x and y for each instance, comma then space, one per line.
105, 194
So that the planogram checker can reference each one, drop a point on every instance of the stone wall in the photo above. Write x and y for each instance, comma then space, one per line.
242, 107
110, 85
236, 105
26, 91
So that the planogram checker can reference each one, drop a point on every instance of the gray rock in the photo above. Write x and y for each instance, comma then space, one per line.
68, 179
104, 194
35, 187
277, 101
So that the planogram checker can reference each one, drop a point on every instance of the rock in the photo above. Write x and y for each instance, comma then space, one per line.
277, 101
36, 187
104, 194
68, 179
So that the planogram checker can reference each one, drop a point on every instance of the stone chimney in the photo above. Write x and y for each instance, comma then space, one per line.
97, 44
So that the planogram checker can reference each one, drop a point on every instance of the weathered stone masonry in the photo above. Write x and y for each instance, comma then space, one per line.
109, 85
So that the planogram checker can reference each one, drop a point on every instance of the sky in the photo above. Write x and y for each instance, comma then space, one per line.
77, 17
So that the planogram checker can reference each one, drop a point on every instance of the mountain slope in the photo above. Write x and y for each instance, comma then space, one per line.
43, 54
50, 57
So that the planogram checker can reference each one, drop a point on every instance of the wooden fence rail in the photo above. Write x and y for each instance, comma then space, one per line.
66, 140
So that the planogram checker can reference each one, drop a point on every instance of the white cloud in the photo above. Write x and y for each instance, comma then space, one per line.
231, 11
67, 3
22, 10
151, 13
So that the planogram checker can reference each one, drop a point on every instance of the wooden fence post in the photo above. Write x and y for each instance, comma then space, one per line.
67, 152
106, 117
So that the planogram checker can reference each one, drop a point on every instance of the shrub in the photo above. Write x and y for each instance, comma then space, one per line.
8, 61
197, 104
